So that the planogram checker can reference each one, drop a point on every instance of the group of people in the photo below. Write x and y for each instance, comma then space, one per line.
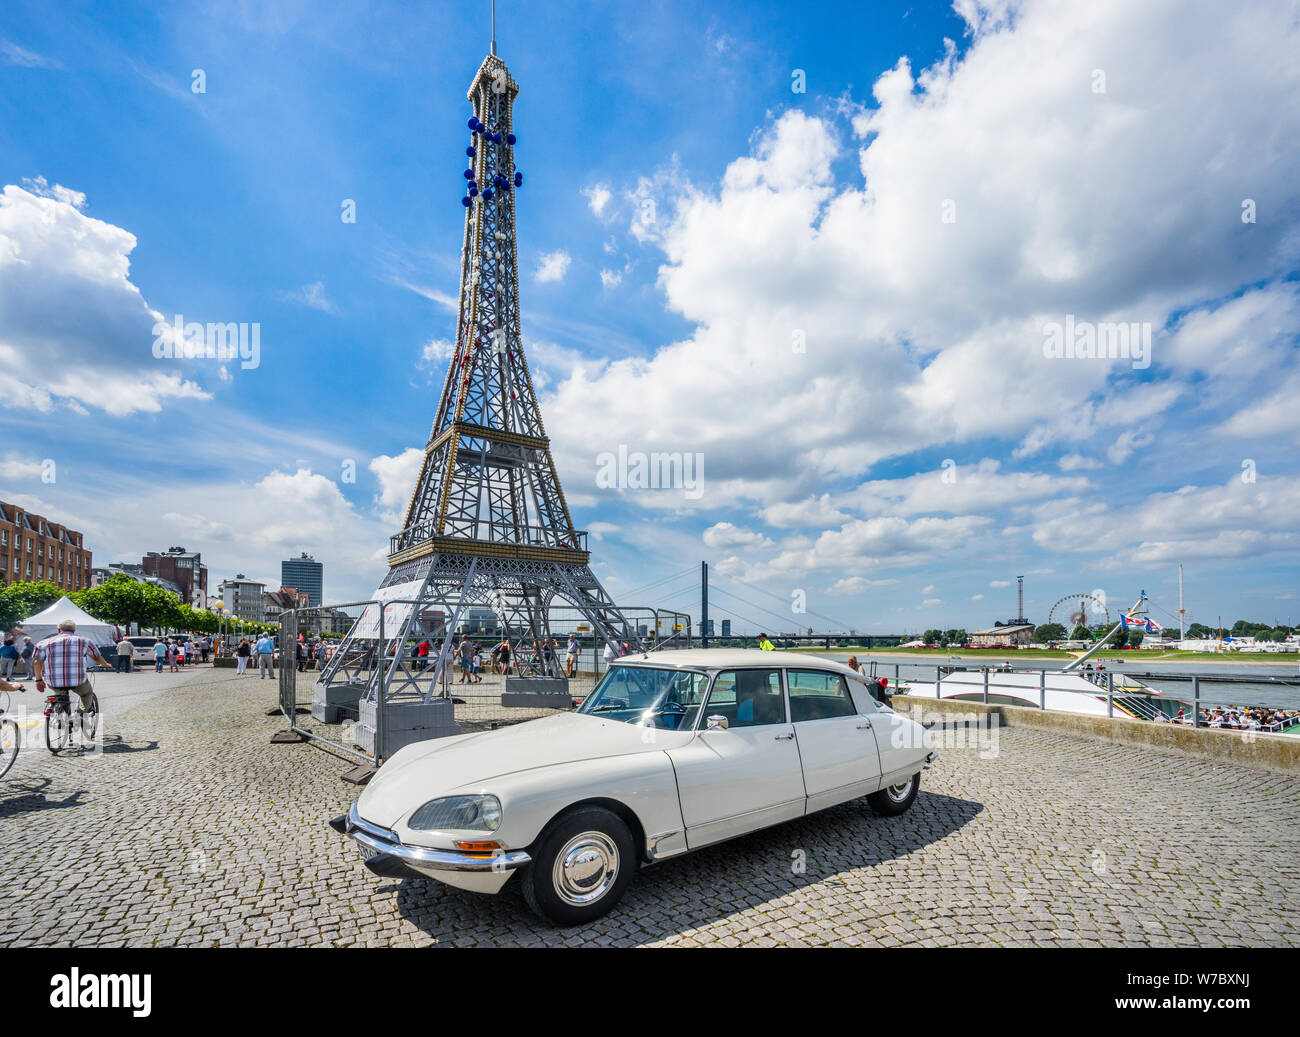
1245, 718
309, 654
16, 655
173, 652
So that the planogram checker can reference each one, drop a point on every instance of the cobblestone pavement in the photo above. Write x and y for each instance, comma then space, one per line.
191, 828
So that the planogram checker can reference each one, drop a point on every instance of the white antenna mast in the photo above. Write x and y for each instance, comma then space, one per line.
494, 26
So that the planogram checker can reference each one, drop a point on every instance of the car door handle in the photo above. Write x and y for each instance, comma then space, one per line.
865, 727
785, 738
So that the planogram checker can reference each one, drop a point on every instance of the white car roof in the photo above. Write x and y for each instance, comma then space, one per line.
722, 658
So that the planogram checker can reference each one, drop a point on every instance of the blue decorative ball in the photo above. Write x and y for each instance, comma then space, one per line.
511, 138
470, 151
487, 194
473, 189
519, 179
469, 174
465, 202
473, 123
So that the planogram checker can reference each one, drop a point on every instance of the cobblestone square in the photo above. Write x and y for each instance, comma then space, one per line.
192, 829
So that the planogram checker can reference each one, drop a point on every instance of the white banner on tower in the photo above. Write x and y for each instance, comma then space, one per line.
394, 614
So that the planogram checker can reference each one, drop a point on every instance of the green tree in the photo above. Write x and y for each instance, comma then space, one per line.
955, 636
20, 600
1135, 637
1080, 633
932, 637
1049, 632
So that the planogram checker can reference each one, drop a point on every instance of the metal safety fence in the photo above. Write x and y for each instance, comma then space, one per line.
400, 675
1138, 695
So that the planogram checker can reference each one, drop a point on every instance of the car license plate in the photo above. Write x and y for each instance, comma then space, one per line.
367, 852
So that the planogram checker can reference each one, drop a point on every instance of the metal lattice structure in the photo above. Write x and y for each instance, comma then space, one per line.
487, 524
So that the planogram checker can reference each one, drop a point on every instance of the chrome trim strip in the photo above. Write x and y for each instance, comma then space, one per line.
427, 859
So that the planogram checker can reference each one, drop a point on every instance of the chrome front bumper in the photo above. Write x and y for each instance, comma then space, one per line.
390, 857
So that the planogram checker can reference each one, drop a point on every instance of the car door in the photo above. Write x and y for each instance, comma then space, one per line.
836, 744
900, 743
748, 775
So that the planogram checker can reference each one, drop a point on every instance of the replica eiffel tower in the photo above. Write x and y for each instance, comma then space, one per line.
487, 524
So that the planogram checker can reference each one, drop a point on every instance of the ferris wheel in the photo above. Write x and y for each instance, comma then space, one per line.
1089, 610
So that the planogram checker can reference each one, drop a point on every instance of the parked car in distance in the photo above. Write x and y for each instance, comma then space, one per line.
142, 648
670, 752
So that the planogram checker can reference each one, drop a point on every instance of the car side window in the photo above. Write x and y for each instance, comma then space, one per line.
816, 695
747, 698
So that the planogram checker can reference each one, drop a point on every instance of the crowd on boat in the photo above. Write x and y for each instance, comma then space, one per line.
1249, 718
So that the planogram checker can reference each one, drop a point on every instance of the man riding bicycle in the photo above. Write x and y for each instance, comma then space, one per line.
64, 655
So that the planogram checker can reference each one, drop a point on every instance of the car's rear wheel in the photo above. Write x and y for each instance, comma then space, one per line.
581, 867
893, 800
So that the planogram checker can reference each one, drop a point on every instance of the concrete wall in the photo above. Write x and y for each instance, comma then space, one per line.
1274, 752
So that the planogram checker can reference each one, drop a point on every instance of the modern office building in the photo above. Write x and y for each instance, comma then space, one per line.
304, 574
32, 549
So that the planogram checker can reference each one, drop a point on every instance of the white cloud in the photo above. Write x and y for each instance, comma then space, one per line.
553, 266
929, 589
597, 198
610, 278
312, 296
857, 585
977, 597
12, 54
66, 297
725, 534
999, 583
1054, 187
397, 476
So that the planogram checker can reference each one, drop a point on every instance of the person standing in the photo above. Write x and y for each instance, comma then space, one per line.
571, 651
124, 650
28, 651
609, 653
764, 644
159, 655
466, 654
422, 654
242, 654
8, 658
266, 657
205, 646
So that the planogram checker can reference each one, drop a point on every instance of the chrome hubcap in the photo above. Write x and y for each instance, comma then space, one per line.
898, 793
585, 868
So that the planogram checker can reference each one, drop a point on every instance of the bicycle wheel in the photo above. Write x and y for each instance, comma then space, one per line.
58, 728
88, 714
9, 737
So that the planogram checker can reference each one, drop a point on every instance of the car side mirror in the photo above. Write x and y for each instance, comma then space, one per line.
716, 723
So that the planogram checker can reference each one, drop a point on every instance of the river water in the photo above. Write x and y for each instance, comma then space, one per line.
1282, 692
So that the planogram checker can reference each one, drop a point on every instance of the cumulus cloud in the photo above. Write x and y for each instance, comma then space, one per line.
598, 198
66, 297
397, 475
553, 266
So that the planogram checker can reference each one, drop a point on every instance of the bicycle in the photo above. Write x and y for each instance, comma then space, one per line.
59, 720
10, 738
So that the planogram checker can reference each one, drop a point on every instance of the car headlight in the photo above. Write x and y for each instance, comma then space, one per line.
460, 813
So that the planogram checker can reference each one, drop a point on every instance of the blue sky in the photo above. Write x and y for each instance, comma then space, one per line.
952, 181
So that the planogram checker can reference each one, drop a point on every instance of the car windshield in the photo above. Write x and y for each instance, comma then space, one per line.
650, 696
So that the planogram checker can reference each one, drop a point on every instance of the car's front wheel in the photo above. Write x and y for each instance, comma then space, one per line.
581, 867
893, 800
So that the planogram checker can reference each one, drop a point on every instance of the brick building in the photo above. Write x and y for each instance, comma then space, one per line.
183, 568
34, 548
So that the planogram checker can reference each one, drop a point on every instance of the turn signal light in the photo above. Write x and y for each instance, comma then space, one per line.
484, 846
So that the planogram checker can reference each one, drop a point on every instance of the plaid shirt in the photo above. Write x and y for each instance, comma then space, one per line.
64, 656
